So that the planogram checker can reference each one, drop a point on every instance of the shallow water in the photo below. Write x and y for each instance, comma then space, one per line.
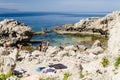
37, 20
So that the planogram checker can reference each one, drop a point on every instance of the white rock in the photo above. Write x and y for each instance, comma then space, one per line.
3, 51
71, 47
97, 43
14, 30
51, 51
62, 53
72, 53
14, 54
7, 64
114, 40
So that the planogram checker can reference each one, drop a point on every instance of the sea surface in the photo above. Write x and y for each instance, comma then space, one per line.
39, 20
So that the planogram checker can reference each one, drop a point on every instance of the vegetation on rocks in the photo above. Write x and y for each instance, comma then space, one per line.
28, 48
105, 62
81, 75
5, 76
117, 61
67, 75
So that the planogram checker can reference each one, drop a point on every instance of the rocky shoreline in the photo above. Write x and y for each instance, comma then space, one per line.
14, 32
74, 62
90, 26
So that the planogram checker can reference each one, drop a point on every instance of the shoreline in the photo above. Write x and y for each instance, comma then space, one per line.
73, 62
77, 33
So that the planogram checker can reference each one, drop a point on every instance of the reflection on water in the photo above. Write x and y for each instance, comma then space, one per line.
64, 40
78, 39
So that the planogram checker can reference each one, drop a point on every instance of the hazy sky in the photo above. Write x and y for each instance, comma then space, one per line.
62, 5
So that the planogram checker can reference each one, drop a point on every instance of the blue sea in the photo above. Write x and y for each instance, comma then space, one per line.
39, 20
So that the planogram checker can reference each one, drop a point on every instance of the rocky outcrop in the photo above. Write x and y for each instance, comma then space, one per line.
96, 48
85, 24
7, 64
8, 57
13, 31
93, 25
114, 38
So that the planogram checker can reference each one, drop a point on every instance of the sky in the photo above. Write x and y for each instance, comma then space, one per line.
62, 5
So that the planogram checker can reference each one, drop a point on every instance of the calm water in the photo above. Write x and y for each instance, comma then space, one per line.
37, 20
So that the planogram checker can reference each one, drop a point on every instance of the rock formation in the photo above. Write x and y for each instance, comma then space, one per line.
7, 64
114, 38
13, 31
94, 24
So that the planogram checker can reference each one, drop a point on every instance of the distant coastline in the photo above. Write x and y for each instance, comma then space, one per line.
72, 14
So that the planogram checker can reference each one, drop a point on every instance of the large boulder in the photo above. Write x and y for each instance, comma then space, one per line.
13, 31
52, 51
85, 23
7, 64
70, 47
62, 53
96, 48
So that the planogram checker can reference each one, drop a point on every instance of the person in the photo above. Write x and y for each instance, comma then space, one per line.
20, 47
62, 47
5, 45
43, 47
40, 47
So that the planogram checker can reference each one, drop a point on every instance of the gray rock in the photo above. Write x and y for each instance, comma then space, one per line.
3, 51
96, 48
72, 53
97, 43
82, 48
12, 78
7, 64
62, 53
14, 54
71, 47
13, 31
52, 51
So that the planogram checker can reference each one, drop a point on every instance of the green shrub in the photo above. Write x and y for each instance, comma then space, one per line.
105, 62
66, 76
117, 62
10, 73
81, 75
41, 78
28, 48
5, 76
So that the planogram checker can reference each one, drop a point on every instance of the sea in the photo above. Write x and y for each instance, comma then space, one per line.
39, 20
